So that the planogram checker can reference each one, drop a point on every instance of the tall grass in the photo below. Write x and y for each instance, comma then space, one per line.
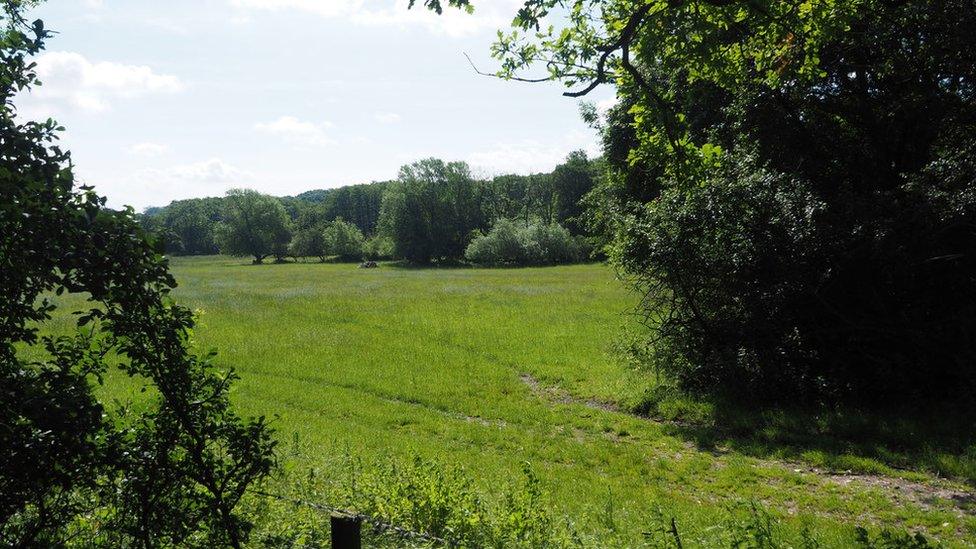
391, 365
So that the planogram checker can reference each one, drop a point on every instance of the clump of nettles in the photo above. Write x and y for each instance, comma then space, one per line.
429, 504
422, 503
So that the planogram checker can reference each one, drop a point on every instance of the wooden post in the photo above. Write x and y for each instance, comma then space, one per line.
346, 532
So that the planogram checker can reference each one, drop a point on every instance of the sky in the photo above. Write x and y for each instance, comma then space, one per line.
180, 99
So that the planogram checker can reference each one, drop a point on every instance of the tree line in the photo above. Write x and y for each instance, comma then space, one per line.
434, 212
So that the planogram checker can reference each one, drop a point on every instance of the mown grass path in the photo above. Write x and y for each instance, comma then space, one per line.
403, 362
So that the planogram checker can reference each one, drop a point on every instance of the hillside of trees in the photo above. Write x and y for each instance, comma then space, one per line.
433, 212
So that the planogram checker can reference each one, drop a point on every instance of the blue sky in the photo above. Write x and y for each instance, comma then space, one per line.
179, 99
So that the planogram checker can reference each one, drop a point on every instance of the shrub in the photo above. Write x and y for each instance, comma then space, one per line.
759, 289
344, 240
554, 243
379, 247
309, 242
424, 497
508, 243
427, 498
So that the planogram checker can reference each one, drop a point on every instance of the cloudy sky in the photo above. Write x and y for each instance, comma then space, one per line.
178, 99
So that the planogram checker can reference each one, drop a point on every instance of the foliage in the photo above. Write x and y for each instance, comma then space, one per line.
804, 161
378, 247
522, 197
191, 224
344, 240
551, 197
418, 502
188, 227
431, 211
571, 182
510, 243
741, 251
357, 204
888, 539
425, 500
309, 241
73, 469
253, 224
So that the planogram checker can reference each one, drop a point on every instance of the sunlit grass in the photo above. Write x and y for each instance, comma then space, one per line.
397, 362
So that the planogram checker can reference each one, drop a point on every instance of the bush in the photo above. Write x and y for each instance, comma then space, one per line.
309, 242
508, 243
344, 240
428, 498
424, 497
554, 243
759, 289
379, 247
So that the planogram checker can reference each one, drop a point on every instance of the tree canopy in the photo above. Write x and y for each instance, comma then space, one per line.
253, 224
431, 211
190, 225
344, 240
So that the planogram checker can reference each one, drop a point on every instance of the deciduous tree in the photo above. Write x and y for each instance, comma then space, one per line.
431, 211
254, 224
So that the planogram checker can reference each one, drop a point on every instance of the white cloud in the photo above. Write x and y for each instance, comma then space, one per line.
298, 132
386, 117
324, 8
530, 156
69, 79
204, 178
453, 22
213, 170
148, 149
160, 186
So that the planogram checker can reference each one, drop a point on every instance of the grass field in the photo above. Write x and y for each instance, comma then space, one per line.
490, 369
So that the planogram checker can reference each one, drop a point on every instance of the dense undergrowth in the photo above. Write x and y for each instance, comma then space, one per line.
424, 503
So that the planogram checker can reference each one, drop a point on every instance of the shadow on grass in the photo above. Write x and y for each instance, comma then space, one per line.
440, 265
941, 442
464, 265
291, 261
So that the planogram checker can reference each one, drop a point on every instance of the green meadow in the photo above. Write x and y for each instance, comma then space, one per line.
488, 370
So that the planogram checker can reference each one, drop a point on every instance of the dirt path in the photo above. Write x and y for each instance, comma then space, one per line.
926, 495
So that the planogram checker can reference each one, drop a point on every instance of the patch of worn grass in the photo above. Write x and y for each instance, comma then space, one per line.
396, 364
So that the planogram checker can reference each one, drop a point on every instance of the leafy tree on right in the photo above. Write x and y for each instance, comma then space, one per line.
791, 185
